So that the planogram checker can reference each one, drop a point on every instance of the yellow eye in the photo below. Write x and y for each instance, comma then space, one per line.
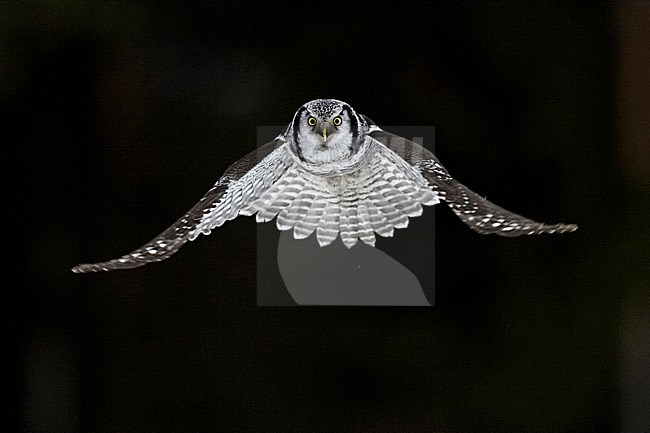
337, 121
311, 121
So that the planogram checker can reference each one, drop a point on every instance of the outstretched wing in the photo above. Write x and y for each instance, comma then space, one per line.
242, 181
478, 213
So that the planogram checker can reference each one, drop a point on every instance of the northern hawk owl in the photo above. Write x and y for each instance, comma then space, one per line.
335, 172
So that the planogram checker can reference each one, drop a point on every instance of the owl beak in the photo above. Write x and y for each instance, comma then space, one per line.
325, 135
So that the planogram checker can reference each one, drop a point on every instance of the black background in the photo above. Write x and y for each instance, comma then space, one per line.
119, 116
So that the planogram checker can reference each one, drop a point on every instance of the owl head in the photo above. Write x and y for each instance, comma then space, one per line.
326, 131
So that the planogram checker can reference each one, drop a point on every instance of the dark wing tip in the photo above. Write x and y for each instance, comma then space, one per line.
550, 229
539, 229
485, 217
159, 249
111, 265
82, 269
561, 228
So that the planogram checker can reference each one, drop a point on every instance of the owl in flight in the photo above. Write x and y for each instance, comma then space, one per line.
335, 172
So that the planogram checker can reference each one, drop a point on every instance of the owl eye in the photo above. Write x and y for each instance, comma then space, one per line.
337, 121
311, 121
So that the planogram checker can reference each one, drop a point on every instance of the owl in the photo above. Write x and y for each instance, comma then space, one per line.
334, 172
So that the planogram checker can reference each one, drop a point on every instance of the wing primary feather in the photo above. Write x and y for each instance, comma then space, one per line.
477, 212
198, 217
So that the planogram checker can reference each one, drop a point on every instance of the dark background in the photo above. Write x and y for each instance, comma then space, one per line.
117, 117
